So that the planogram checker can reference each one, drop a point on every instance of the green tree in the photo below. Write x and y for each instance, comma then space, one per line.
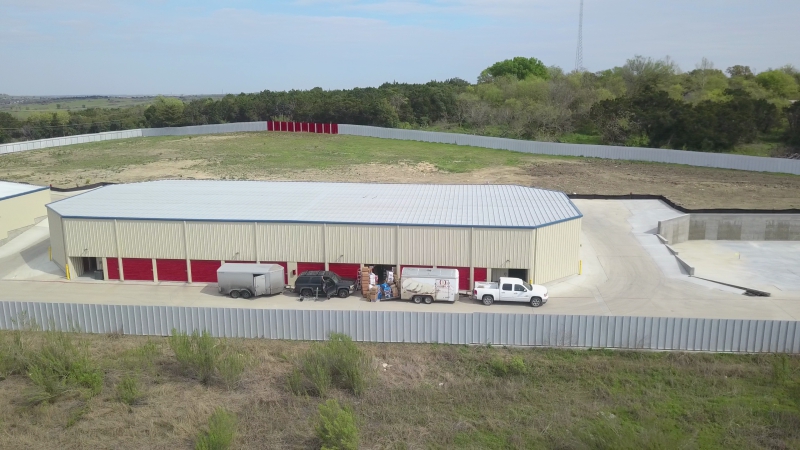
740, 71
165, 112
792, 136
779, 82
519, 67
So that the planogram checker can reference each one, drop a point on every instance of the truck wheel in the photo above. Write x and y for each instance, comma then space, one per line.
234, 294
417, 299
428, 300
536, 302
306, 293
246, 294
487, 300
343, 293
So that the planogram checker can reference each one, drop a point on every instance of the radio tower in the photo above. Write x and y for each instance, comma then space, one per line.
579, 54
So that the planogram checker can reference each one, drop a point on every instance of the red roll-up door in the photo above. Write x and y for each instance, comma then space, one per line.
282, 264
137, 269
306, 266
334, 128
172, 270
205, 271
464, 283
113, 268
349, 271
481, 274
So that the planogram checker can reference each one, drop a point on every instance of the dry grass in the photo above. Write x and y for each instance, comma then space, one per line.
429, 396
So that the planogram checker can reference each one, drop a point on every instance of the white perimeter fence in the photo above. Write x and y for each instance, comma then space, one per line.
700, 159
617, 332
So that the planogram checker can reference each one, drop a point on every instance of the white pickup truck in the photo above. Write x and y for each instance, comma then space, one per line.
510, 290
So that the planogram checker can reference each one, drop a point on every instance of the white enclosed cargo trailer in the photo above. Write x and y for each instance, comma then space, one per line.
248, 280
429, 285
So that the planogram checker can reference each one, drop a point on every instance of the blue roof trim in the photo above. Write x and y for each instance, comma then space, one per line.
25, 193
323, 223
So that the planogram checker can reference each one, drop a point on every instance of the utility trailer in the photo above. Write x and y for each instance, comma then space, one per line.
428, 285
248, 280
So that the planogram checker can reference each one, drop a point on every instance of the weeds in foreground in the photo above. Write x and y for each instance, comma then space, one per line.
339, 362
500, 367
336, 427
221, 432
128, 390
207, 358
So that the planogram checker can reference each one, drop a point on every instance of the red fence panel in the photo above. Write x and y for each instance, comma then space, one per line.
205, 271
113, 268
334, 128
137, 269
172, 270
270, 126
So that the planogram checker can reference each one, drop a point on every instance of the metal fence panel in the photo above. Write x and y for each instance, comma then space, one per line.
238, 127
79, 139
619, 332
701, 159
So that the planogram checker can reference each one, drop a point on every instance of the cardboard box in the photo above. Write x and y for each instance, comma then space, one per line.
395, 292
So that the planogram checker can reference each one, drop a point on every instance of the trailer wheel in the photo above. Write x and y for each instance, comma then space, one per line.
417, 299
246, 294
487, 300
235, 294
536, 302
344, 293
428, 299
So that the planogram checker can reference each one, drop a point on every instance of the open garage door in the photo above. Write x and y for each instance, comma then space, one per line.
172, 270
205, 271
349, 271
137, 269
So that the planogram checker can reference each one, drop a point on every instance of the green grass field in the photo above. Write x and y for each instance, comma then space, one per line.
416, 396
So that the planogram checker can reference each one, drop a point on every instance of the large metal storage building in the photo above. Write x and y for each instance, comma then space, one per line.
184, 230
21, 207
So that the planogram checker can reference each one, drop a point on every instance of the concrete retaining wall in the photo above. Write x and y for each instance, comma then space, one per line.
744, 227
674, 230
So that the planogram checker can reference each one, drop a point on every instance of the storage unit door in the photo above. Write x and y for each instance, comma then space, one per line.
139, 269
282, 264
306, 266
113, 268
349, 271
205, 271
172, 270
464, 283
481, 274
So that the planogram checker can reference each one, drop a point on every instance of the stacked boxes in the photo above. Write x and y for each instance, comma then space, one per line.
365, 273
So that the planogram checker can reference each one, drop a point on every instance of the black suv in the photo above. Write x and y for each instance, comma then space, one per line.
322, 283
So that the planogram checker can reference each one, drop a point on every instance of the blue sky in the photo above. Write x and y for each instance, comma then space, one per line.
76, 47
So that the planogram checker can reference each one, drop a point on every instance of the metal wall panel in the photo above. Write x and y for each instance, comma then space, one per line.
89, 237
557, 251
79, 139
17, 213
361, 244
289, 242
500, 247
435, 246
524, 329
701, 159
151, 239
56, 239
238, 127
232, 241
453, 247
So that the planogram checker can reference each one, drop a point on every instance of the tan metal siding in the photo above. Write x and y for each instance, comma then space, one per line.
89, 237
503, 248
150, 239
557, 251
221, 240
452, 247
360, 244
290, 242
56, 239
418, 246
22, 211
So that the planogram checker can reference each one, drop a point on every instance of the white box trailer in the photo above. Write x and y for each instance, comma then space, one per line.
428, 285
248, 280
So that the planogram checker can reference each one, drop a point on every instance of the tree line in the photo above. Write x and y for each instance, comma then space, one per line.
645, 102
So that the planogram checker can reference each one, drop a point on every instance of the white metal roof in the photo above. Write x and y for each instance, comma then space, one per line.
504, 206
9, 189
